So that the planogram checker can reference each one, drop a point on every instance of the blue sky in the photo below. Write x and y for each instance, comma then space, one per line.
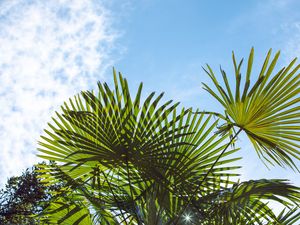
51, 50
167, 43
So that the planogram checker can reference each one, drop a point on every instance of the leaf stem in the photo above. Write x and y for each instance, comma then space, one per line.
114, 196
131, 191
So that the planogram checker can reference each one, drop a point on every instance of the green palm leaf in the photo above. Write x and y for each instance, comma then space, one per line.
64, 211
113, 130
124, 149
268, 111
245, 203
196, 159
288, 216
127, 161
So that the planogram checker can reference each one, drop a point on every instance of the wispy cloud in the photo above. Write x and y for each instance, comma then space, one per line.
49, 51
291, 45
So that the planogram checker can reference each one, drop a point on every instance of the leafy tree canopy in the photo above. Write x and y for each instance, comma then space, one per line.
25, 196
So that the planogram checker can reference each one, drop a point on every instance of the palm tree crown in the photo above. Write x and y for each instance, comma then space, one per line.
127, 161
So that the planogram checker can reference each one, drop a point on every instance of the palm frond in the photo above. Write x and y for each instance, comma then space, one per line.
288, 216
127, 161
113, 130
268, 111
247, 202
62, 211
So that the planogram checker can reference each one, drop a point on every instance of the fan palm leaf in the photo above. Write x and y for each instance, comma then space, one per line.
288, 216
122, 150
183, 176
268, 111
128, 161
247, 202
113, 131
60, 212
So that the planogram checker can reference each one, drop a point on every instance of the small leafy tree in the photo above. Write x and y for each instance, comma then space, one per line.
24, 197
128, 161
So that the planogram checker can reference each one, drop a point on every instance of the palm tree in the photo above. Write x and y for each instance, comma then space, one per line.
128, 161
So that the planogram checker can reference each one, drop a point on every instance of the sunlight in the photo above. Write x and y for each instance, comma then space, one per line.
187, 218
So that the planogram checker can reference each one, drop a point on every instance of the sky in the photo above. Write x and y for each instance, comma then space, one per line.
50, 50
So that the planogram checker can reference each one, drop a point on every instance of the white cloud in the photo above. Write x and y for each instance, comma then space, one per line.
291, 45
49, 50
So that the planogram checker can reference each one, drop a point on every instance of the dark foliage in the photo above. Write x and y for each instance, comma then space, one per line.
23, 197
